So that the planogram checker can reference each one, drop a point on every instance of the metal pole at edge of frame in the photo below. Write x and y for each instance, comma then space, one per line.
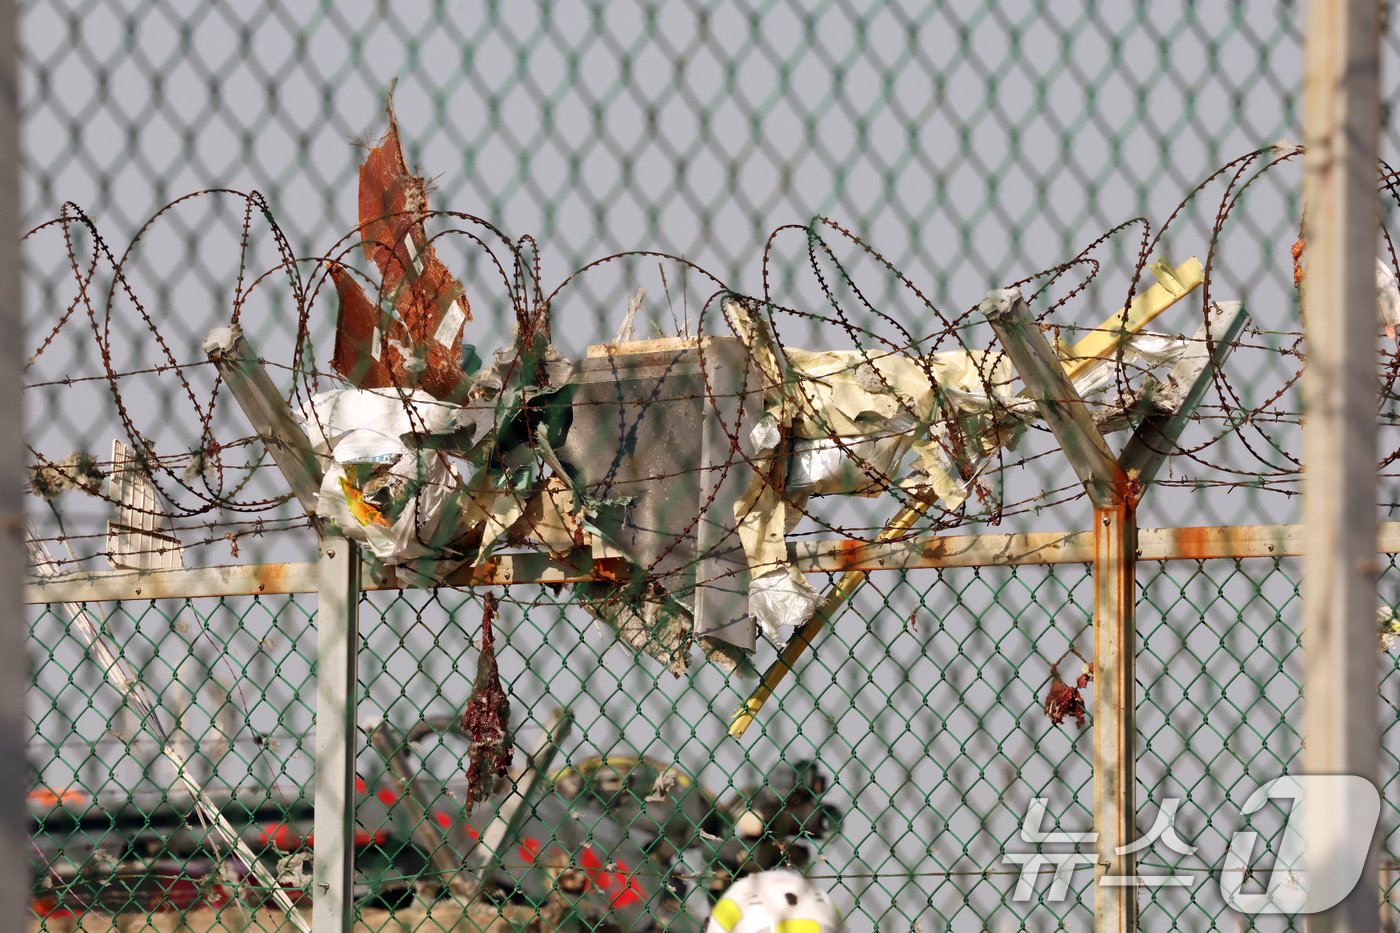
1341, 729
14, 668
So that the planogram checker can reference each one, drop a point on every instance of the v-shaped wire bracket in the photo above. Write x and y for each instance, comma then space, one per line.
1116, 485
1112, 479
268, 413
1177, 400
1049, 386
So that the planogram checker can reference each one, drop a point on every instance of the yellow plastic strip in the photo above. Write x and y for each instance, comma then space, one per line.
835, 597
1171, 286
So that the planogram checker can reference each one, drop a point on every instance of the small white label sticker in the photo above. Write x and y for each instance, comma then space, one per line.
452, 321
413, 256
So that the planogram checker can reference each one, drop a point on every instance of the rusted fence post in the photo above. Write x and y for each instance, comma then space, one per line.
337, 689
1115, 724
1115, 565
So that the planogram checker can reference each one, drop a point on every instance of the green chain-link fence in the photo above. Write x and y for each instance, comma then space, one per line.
972, 143
923, 715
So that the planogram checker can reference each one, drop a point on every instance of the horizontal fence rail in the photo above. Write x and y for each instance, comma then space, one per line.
931, 553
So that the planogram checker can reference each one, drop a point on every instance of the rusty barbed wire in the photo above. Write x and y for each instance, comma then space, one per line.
847, 272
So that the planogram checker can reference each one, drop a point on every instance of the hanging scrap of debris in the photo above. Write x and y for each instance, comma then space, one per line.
486, 720
1063, 700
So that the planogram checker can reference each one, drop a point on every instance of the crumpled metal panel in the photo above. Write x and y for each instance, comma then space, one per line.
658, 427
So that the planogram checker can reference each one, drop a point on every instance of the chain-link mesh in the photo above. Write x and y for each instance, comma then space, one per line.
969, 143
922, 717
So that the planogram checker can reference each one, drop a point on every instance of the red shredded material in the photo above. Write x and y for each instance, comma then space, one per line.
356, 356
1063, 700
486, 720
417, 344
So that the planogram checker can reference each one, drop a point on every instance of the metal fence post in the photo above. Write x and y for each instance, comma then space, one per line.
1115, 698
1115, 594
337, 682
14, 672
1341, 111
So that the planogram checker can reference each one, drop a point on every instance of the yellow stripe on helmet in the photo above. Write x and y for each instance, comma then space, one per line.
727, 914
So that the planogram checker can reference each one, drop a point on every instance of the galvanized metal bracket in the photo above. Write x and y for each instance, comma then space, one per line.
268, 414
1060, 404
1155, 439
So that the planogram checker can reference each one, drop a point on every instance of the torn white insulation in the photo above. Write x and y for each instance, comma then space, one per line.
852, 418
780, 601
387, 497
377, 489
331, 415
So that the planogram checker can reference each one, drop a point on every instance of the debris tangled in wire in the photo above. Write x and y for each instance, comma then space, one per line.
676, 468
1063, 700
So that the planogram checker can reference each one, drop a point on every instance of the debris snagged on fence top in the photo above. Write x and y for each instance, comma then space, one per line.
1387, 286
849, 419
690, 458
139, 538
381, 487
486, 720
904, 399
649, 449
50, 479
647, 619
415, 341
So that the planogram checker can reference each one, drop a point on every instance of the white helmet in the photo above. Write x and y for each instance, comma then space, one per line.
778, 901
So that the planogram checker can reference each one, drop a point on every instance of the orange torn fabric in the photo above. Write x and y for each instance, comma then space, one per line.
364, 512
417, 343
359, 343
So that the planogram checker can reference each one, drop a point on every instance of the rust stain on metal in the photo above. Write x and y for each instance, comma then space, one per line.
608, 570
839, 556
850, 555
270, 578
1115, 590
1194, 543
